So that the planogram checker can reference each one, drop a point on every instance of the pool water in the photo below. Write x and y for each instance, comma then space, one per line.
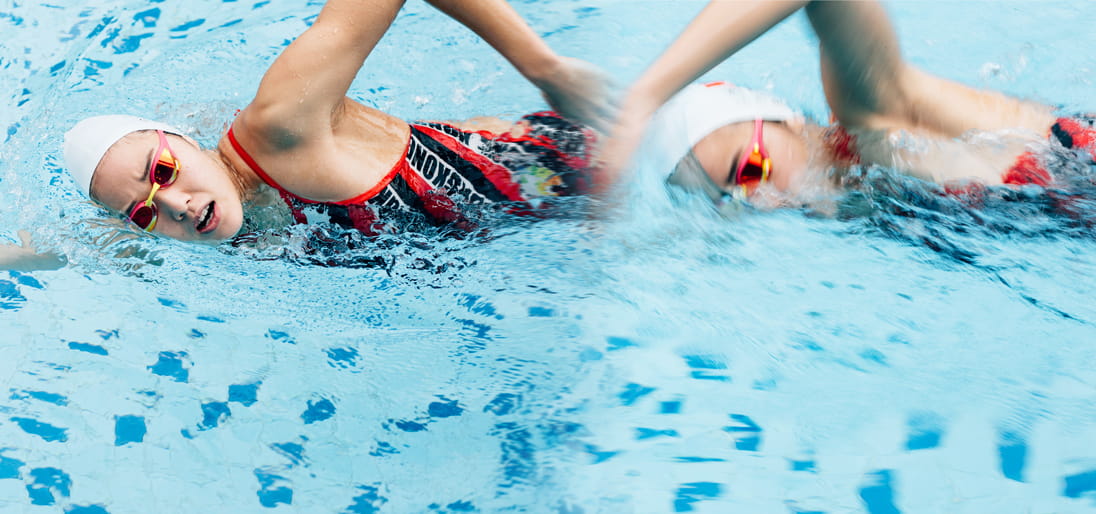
915, 357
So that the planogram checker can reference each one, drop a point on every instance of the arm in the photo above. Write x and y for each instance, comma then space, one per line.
306, 85
868, 84
24, 257
866, 80
720, 30
502, 28
862, 68
572, 87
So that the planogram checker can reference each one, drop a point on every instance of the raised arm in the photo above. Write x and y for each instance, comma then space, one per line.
863, 73
721, 29
868, 84
574, 88
308, 82
306, 85
504, 29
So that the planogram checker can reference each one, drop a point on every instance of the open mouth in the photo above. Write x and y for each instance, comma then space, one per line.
206, 218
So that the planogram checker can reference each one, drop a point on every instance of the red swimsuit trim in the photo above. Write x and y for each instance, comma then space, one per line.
373, 191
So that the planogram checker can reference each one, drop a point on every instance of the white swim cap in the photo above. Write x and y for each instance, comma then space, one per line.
88, 141
697, 111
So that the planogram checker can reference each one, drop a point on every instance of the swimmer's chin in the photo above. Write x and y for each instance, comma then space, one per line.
222, 234
216, 226
217, 237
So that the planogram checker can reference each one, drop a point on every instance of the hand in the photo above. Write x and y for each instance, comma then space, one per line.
617, 150
24, 257
580, 91
615, 155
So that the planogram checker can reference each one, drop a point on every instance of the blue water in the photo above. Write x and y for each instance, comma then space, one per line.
671, 361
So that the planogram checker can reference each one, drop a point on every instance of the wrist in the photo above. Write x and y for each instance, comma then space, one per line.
638, 106
542, 69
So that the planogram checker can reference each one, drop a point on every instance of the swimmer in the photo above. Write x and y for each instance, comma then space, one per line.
302, 143
734, 143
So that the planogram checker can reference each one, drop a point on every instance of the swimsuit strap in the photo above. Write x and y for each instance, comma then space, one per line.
251, 162
400, 167
362, 198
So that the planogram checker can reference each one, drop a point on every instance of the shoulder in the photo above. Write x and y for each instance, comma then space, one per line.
277, 127
327, 160
278, 150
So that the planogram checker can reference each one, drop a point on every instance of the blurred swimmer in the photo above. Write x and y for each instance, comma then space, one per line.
729, 141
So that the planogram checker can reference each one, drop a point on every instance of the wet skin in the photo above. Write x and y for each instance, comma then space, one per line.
218, 180
719, 152
204, 182
794, 146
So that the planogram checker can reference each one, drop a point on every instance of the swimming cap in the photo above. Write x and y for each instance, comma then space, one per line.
88, 141
697, 111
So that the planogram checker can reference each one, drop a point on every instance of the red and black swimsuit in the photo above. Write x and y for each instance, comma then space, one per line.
445, 168
1077, 133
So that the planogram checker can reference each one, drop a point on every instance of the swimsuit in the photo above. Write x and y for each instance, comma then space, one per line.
1068, 133
445, 170
1071, 134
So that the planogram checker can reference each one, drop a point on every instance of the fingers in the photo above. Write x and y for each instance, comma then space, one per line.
604, 102
579, 109
599, 120
583, 92
606, 108
24, 239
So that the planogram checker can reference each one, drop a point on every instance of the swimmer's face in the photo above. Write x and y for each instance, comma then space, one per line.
202, 204
719, 153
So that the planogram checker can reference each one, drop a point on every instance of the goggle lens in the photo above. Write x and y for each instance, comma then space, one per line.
144, 215
165, 170
161, 174
753, 168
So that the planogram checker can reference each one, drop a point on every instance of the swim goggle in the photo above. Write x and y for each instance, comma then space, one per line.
161, 173
754, 167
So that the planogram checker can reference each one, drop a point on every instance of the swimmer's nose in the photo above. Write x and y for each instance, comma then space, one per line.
173, 204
